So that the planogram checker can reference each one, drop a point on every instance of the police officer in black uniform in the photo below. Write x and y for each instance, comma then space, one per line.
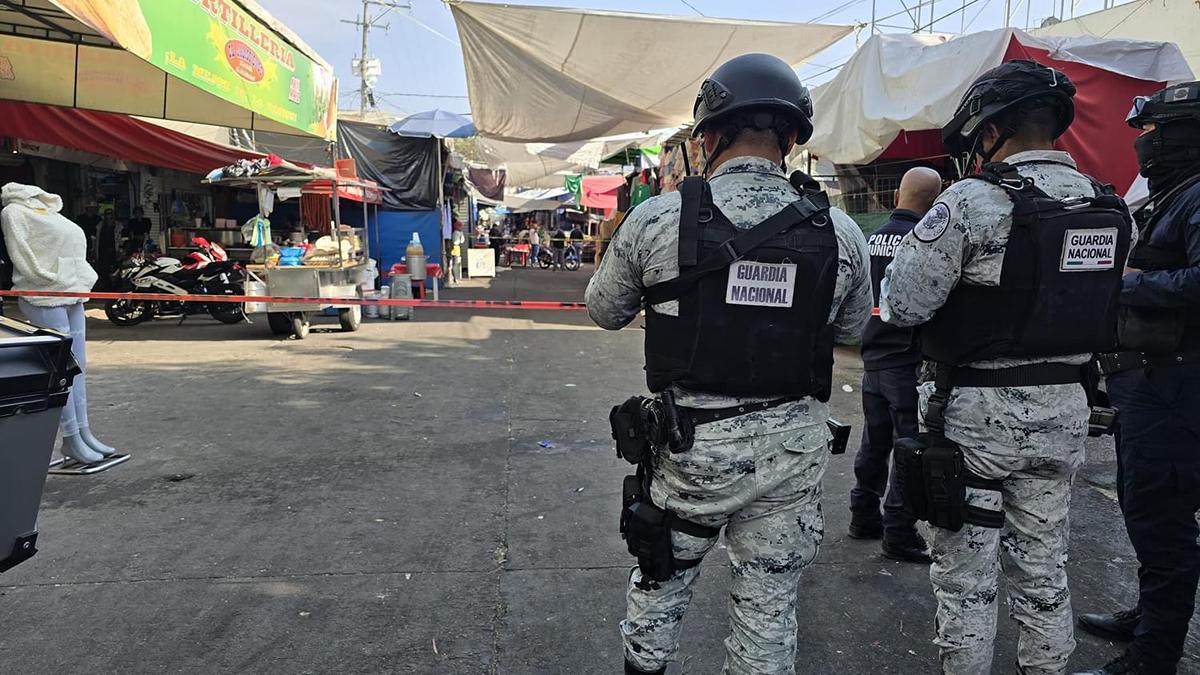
1154, 381
891, 356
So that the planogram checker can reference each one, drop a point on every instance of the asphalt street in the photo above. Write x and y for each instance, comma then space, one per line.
431, 496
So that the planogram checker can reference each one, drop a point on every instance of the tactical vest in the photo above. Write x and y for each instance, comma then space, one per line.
1159, 331
1059, 282
754, 304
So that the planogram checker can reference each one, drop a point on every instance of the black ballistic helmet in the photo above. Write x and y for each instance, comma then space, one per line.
1002, 89
755, 83
1178, 102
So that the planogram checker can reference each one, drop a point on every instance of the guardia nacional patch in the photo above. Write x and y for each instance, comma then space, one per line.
934, 224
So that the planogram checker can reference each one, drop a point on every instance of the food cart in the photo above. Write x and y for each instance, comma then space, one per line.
330, 276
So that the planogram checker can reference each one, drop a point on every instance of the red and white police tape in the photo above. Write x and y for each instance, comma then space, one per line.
388, 302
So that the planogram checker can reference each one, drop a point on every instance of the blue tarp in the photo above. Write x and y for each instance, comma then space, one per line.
390, 236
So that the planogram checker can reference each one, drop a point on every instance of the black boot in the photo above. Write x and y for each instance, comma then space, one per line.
1116, 626
906, 549
631, 669
865, 529
1122, 665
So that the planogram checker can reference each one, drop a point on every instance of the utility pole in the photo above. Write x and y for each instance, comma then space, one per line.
364, 62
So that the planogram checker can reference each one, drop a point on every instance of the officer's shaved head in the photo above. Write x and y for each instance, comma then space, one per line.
919, 188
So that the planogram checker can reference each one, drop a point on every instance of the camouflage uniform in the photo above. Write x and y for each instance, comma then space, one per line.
1031, 438
758, 475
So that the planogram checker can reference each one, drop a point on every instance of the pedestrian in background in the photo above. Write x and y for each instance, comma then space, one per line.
891, 357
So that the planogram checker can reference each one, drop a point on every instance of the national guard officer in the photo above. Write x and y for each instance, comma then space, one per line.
891, 356
1012, 276
747, 282
1154, 381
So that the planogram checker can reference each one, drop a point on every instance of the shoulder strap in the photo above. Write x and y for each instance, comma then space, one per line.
799, 211
693, 191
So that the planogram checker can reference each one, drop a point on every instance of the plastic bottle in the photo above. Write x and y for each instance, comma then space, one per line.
415, 258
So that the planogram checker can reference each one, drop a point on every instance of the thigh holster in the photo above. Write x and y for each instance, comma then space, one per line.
647, 529
934, 481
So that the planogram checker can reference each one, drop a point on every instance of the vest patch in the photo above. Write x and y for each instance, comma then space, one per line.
761, 284
1089, 250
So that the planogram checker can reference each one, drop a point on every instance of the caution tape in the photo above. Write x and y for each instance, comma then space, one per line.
382, 302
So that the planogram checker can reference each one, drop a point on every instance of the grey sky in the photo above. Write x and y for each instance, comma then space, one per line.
417, 61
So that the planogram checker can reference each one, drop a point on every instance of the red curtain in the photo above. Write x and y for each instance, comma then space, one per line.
600, 192
1099, 139
113, 135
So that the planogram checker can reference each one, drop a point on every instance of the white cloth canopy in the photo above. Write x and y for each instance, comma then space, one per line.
913, 82
549, 74
541, 164
545, 199
1175, 21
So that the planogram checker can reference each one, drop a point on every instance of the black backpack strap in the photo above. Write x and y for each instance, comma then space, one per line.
799, 211
693, 192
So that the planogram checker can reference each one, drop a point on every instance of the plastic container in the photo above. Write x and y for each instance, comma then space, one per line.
385, 292
36, 370
371, 311
415, 258
291, 256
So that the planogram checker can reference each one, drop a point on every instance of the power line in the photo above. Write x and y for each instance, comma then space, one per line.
415, 95
693, 7
1127, 17
835, 10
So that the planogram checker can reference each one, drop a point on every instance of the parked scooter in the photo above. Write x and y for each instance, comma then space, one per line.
206, 271
570, 258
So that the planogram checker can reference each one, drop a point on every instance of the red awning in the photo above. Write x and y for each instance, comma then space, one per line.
113, 135
600, 192
354, 193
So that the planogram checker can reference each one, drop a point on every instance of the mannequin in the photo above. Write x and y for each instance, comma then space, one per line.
49, 253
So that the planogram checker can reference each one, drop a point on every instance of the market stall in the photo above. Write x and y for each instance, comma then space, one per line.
336, 265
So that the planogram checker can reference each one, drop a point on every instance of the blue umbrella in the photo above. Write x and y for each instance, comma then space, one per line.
437, 123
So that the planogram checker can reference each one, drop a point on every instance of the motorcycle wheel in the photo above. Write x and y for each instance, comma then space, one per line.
571, 264
226, 312
127, 312
300, 325
280, 323
350, 318
545, 263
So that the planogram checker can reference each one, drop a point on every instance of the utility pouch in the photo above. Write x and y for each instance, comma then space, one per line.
628, 422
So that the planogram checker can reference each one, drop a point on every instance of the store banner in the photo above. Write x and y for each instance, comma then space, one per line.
219, 47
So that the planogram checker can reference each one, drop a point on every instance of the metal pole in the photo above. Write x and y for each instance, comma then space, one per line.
1007, 12
1028, 11
362, 61
932, 20
872, 17
962, 18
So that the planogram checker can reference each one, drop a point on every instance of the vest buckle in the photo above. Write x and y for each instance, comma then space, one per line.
729, 252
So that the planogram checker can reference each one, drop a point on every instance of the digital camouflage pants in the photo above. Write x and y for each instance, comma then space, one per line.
1032, 439
759, 477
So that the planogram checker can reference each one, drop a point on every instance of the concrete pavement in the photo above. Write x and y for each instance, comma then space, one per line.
379, 502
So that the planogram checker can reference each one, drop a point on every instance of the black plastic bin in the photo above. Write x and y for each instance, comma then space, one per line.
36, 370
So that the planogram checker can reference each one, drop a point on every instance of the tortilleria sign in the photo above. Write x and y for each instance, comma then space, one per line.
225, 50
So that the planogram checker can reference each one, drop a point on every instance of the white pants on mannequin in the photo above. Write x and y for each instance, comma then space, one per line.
78, 442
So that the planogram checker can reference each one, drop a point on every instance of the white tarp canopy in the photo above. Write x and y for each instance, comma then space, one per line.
543, 164
545, 199
549, 74
913, 82
1175, 21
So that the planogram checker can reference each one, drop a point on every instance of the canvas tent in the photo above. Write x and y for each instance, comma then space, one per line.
220, 62
892, 97
1175, 21
549, 74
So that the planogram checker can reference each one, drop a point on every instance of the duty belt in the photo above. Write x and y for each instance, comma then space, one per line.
1116, 362
1032, 375
709, 415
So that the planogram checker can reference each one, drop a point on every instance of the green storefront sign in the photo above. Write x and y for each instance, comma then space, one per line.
220, 47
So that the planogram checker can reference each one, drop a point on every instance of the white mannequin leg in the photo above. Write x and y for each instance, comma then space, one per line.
78, 321
56, 318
